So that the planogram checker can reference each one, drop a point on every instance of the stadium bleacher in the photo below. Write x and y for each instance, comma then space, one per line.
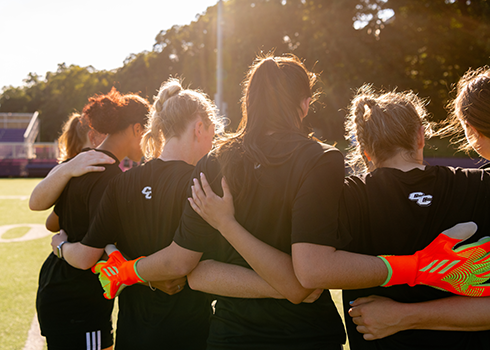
12, 135
20, 155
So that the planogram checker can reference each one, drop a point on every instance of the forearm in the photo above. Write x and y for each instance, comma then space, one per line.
451, 314
169, 263
49, 189
325, 267
229, 280
81, 256
273, 265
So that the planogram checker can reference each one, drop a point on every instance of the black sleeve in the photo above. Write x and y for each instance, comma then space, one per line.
316, 206
194, 233
106, 222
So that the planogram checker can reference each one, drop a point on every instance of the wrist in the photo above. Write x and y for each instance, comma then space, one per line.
402, 269
136, 270
59, 249
227, 225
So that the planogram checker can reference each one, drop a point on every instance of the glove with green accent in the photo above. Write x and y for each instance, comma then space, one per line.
116, 273
460, 271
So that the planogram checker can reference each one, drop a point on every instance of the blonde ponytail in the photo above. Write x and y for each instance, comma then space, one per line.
383, 124
174, 108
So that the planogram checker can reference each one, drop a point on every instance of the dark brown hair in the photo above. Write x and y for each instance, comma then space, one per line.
273, 92
114, 111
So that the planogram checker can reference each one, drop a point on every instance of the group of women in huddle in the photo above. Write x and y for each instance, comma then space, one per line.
284, 227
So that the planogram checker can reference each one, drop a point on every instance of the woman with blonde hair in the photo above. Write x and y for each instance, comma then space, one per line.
75, 136
140, 211
379, 317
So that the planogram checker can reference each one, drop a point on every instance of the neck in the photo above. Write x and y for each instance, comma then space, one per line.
116, 144
404, 161
178, 149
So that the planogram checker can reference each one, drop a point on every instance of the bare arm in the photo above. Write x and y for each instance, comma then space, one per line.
325, 267
343, 270
229, 280
84, 257
53, 222
378, 317
76, 254
48, 190
273, 265
169, 263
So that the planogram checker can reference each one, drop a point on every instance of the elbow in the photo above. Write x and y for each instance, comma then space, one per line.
33, 205
297, 298
192, 282
307, 279
175, 270
83, 266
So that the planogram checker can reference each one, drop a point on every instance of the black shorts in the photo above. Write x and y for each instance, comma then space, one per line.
82, 340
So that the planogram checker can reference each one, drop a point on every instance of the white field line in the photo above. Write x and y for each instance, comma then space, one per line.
36, 231
22, 198
35, 341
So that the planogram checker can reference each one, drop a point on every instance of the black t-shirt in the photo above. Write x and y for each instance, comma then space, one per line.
393, 212
68, 298
140, 212
287, 202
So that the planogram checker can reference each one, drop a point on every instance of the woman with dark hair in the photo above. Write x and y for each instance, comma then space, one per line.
71, 309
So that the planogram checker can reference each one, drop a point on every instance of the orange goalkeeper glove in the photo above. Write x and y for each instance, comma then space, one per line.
116, 273
461, 271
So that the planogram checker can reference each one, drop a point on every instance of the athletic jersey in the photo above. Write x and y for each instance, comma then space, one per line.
140, 212
393, 212
287, 201
69, 299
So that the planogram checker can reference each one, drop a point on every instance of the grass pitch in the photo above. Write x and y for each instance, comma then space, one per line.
20, 262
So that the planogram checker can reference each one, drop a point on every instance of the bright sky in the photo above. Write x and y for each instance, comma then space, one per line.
36, 35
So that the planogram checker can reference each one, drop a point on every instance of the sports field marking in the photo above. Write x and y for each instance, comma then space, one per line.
36, 231
35, 341
22, 198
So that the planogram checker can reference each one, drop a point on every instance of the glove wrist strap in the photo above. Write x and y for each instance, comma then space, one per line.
402, 269
142, 280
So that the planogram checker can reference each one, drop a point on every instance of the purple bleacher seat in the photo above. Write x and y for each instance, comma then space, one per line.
12, 135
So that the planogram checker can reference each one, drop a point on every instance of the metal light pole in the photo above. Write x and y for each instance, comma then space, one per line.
219, 68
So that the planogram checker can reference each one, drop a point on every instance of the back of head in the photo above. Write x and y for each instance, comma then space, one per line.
471, 105
382, 125
73, 137
273, 92
272, 102
114, 112
174, 108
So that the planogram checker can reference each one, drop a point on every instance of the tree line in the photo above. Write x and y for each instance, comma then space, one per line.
423, 45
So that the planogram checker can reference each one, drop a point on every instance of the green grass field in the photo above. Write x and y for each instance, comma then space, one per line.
21, 262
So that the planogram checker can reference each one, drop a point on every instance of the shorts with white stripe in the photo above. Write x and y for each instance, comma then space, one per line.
91, 340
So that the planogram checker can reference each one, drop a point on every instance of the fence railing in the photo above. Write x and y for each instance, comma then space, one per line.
20, 150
